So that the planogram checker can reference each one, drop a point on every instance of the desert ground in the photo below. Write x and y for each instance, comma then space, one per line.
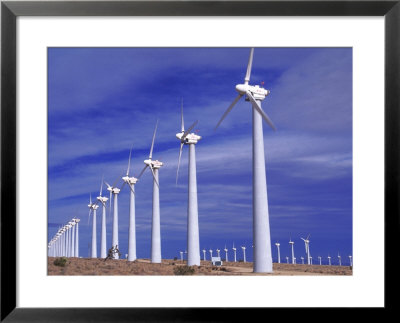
88, 266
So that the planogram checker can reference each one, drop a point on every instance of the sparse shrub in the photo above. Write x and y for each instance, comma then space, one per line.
60, 261
184, 270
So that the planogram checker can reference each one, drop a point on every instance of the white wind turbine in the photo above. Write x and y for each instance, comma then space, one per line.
351, 261
210, 254
294, 260
193, 242
103, 242
218, 252
329, 260
340, 259
307, 245
131, 181
302, 260
287, 259
310, 260
77, 238
204, 254
181, 252
93, 207
244, 253
226, 254
261, 229
320, 260
114, 191
234, 252
72, 223
154, 166
292, 245
277, 244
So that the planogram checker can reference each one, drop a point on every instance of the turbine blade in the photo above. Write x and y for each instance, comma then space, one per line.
129, 161
141, 173
101, 186
122, 186
131, 189
248, 72
308, 236
189, 130
260, 111
228, 110
108, 185
152, 143
154, 177
179, 162
90, 211
117, 180
90, 198
182, 123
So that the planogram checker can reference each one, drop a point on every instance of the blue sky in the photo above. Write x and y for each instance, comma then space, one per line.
103, 100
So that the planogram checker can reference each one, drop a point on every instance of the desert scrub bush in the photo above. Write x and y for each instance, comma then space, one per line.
183, 270
60, 261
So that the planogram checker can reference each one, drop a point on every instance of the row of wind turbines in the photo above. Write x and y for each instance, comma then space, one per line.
66, 241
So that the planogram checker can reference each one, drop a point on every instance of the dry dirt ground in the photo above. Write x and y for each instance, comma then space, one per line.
87, 266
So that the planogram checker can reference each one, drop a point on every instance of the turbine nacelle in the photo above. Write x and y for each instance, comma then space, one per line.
102, 199
130, 180
258, 92
114, 190
153, 163
191, 138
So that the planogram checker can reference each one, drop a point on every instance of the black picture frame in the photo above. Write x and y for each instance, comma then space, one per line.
10, 10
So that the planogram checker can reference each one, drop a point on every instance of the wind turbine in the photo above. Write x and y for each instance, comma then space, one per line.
287, 259
181, 252
320, 260
329, 260
292, 244
218, 252
131, 181
103, 243
72, 223
210, 254
277, 244
93, 207
294, 260
310, 260
307, 245
340, 259
204, 254
261, 230
244, 253
193, 242
351, 261
154, 166
226, 254
234, 252
302, 260
114, 191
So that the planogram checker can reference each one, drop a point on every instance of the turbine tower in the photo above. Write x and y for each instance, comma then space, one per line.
329, 260
279, 253
294, 260
351, 261
204, 254
77, 238
340, 259
93, 207
234, 252
210, 254
261, 229
114, 191
226, 254
193, 241
154, 166
103, 243
244, 253
218, 252
302, 260
292, 245
287, 259
72, 223
131, 181
320, 260
307, 245
181, 252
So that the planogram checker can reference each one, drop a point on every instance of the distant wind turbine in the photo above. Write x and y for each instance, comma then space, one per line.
261, 229
210, 253
244, 253
320, 260
204, 254
351, 261
103, 243
329, 260
340, 259
292, 245
302, 260
277, 244
307, 245
114, 191
287, 259
93, 207
234, 252
226, 253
